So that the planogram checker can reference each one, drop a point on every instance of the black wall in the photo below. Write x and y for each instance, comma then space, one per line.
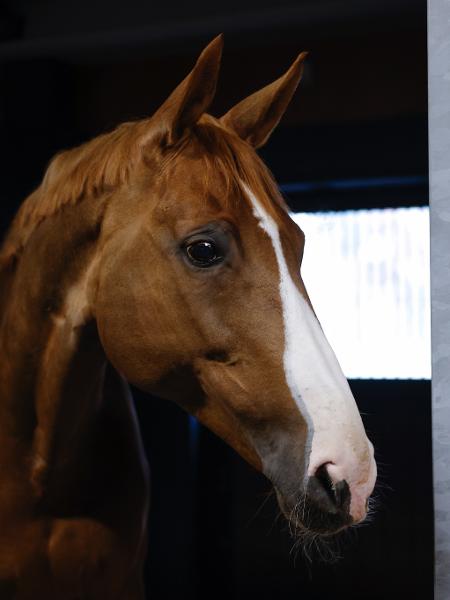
214, 526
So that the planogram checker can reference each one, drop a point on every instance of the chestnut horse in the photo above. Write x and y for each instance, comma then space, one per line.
160, 254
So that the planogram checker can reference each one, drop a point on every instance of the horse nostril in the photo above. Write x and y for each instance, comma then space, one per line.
325, 480
330, 496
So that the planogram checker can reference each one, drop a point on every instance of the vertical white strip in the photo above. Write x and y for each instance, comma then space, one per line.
315, 379
439, 154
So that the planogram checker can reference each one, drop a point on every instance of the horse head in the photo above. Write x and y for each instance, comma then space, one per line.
199, 298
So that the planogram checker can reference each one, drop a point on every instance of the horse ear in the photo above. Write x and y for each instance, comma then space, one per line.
256, 117
192, 97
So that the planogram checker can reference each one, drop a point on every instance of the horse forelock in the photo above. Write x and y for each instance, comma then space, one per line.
105, 163
226, 166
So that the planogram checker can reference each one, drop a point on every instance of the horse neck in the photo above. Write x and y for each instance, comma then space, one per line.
53, 364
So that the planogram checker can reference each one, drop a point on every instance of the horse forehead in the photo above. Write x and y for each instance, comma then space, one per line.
187, 195
182, 209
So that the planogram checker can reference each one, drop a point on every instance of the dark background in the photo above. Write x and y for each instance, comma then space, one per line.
72, 69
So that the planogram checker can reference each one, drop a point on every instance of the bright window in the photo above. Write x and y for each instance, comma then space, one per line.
367, 274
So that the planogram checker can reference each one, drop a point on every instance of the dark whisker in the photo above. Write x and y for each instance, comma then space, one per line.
268, 495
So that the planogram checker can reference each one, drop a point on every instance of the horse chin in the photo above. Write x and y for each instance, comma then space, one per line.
305, 520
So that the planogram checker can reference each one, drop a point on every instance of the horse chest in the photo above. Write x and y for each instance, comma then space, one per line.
74, 559
85, 537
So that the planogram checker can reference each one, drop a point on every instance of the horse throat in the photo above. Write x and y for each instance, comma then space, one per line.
68, 396
53, 365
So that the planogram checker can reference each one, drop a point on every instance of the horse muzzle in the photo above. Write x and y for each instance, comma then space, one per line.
328, 503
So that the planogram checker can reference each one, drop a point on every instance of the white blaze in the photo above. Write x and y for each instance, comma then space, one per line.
335, 431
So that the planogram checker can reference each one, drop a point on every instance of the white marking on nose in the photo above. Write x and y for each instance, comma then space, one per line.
318, 386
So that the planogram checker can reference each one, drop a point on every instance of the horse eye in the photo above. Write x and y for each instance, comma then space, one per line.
203, 253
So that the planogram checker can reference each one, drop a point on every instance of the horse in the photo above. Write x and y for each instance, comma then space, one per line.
161, 254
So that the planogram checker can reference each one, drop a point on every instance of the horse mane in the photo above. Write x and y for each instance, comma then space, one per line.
86, 171
106, 162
